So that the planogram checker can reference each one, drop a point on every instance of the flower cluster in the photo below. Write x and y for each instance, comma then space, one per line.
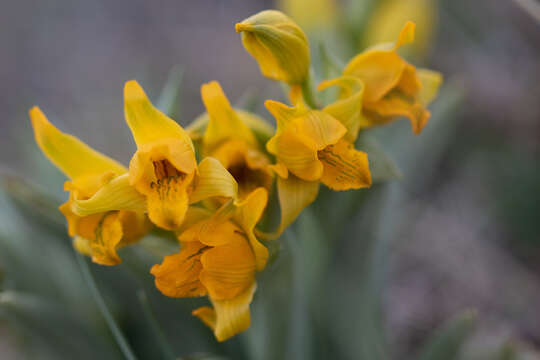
209, 184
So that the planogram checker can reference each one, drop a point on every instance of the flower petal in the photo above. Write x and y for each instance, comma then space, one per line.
396, 105
178, 274
348, 109
228, 317
406, 35
344, 167
223, 121
299, 154
431, 82
380, 70
247, 215
73, 157
294, 196
229, 269
213, 180
146, 122
167, 201
117, 194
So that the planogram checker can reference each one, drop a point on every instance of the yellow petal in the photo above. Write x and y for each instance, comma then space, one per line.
102, 234
279, 45
344, 167
135, 225
396, 105
213, 231
406, 35
228, 270
168, 201
247, 215
146, 122
431, 82
247, 165
380, 70
348, 109
282, 113
117, 194
409, 84
178, 274
321, 127
223, 123
172, 152
299, 154
213, 180
73, 157
229, 317
294, 196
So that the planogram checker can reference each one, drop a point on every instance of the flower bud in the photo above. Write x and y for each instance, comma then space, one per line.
278, 44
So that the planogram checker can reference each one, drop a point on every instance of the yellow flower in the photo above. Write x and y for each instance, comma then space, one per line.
393, 87
219, 256
278, 44
228, 139
164, 168
100, 233
310, 147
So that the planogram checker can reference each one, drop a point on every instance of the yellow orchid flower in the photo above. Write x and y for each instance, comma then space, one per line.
311, 147
278, 44
219, 256
164, 168
393, 87
100, 233
228, 139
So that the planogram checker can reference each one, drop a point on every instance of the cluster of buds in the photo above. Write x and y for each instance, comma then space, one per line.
210, 183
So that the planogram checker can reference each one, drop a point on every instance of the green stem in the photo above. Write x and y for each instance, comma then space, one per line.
117, 333
308, 93
156, 329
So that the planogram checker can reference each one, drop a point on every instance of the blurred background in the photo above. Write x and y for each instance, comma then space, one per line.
442, 262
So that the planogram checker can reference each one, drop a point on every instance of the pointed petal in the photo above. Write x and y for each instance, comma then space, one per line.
248, 214
178, 274
294, 196
213, 180
117, 194
229, 269
409, 83
223, 123
406, 35
281, 112
229, 317
146, 122
348, 109
431, 82
344, 167
73, 157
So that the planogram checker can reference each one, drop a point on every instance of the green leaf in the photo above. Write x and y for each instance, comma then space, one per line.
446, 342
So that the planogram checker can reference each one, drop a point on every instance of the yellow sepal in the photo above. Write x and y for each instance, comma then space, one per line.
146, 122
228, 317
117, 194
73, 157
213, 180
223, 122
